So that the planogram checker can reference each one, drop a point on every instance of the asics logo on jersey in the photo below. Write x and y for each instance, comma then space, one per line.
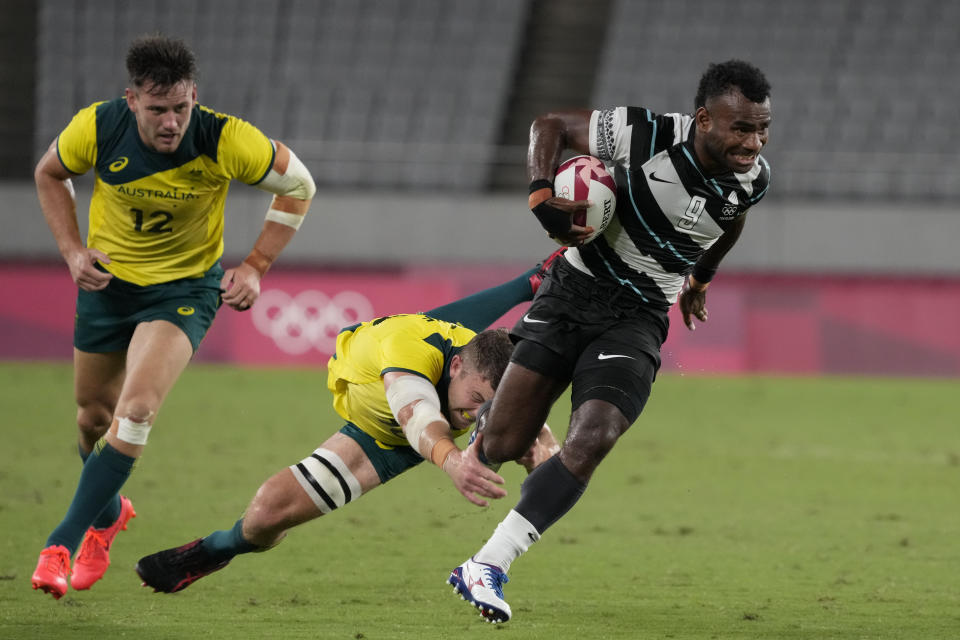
653, 176
527, 318
118, 164
608, 356
309, 319
185, 311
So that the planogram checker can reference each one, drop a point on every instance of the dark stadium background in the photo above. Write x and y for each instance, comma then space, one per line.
412, 117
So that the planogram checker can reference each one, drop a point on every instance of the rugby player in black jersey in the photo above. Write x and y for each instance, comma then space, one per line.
684, 185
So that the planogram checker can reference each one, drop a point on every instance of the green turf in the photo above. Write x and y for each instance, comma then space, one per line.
735, 508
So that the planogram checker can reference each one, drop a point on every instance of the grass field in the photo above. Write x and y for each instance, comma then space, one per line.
735, 508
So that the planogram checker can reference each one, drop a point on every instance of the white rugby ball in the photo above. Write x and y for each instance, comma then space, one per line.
586, 178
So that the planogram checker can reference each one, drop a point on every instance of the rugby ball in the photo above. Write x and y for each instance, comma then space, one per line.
586, 178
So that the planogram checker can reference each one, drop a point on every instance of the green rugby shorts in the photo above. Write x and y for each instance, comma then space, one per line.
106, 319
389, 460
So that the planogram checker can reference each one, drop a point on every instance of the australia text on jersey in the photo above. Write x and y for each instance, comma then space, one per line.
174, 194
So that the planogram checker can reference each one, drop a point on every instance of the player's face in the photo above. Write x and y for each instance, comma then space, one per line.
731, 131
468, 390
163, 113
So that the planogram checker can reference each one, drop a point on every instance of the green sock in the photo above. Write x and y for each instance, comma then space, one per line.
104, 472
482, 309
110, 512
224, 545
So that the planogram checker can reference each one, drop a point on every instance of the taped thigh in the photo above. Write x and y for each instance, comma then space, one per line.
327, 480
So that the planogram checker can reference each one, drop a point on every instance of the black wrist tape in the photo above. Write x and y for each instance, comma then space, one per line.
703, 275
542, 183
555, 221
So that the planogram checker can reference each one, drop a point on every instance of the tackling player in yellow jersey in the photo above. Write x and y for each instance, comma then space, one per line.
149, 275
407, 385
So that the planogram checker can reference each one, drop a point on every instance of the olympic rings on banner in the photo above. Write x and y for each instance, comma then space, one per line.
308, 320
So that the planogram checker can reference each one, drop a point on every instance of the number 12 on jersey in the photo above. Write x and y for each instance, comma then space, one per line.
158, 221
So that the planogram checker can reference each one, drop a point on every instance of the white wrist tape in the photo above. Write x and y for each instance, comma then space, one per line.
409, 389
133, 432
423, 415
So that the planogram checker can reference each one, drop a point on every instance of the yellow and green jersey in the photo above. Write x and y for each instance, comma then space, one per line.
159, 216
365, 352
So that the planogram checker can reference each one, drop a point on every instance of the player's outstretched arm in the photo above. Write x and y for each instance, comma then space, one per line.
416, 406
293, 189
59, 206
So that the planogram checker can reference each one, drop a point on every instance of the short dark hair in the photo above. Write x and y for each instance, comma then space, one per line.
488, 353
721, 78
160, 61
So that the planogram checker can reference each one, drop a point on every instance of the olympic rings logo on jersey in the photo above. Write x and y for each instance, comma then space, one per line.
308, 320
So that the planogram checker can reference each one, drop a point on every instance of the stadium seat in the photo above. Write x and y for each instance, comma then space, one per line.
364, 78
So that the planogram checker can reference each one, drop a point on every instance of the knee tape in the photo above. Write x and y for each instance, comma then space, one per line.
327, 480
133, 432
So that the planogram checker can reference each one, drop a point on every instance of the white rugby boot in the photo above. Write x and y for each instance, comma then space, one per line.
482, 586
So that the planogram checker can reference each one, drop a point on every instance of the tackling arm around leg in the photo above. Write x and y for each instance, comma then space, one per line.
518, 413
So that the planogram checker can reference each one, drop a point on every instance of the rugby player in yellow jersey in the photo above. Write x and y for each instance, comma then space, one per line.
149, 275
407, 385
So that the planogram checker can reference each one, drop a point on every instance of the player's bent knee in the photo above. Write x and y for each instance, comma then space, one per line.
93, 423
594, 429
327, 480
139, 410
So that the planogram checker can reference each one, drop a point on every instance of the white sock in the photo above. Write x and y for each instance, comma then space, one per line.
512, 537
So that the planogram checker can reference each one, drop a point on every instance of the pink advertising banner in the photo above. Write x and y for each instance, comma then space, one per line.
758, 323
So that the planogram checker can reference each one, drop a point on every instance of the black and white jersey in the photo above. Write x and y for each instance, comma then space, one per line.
668, 211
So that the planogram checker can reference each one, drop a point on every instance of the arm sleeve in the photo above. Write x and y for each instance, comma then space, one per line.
609, 135
77, 143
245, 153
633, 135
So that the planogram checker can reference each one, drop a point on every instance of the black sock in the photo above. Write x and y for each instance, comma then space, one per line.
548, 493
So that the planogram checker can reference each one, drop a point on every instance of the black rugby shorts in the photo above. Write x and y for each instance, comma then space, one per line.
601, 338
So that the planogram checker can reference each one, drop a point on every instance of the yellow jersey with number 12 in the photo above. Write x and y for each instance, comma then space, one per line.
159, 216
